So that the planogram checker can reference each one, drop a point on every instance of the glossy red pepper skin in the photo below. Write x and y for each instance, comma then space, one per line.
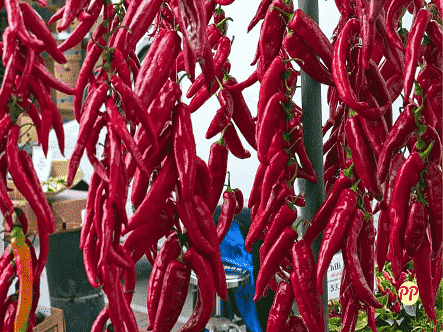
240, 201
384, 223
335, 229
307, 29
207, 225
204, 94
433, 181
152, 76
241, 115
260, 14
416, 226
218, 166
360, 283
363, 156
394, 12
271, 34
422, 265
413, 50
234, 143
284, 217
396, 139
223, 51
173, 295
350, 317
297, 48
203, 181
223, 116
255, 195
272, 173
271, 119
392, 54
273, 258
296, 324
184, 150
279, 191
303, 284
321, 217
281, 307
436, 272
156, 196
206, 291
227, 214
407, 177
375, 131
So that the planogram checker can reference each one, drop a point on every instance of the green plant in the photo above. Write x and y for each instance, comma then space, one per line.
403, 319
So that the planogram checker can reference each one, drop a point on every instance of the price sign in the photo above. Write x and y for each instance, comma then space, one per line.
42, 164
334, 276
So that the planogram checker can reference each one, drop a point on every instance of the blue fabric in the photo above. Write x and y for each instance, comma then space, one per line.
233, 252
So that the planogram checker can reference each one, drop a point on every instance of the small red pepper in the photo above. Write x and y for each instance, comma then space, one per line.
224, 114
433, 180
218, 165
416, 226
281, 307
234, 143
227, 214
303, 283
273, 259
422, 265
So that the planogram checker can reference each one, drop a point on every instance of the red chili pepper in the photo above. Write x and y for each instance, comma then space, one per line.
406, 178
350, 317
223, 51
303, 284
375, 131
100, 320
436, 272
413, 50
396, 139
416, 226
422, 265
223, 116
307, 29
203, 181
260, 14
193, 26
204, 94
392, 54
433, 181
171, 250
272, 33
395, 11
279, 191
273, 259
334, 232
240, 202
218, 165
207, 226
156, 196
206, 291
281, 307
384, 223
255, 195
91, 112
271, 119
234, 144
296, 324
297, 48
227, 214
119, 125
173, 295
38, 27
320, 219
356, 267
363, 156
7, 86
152, 75
339, 71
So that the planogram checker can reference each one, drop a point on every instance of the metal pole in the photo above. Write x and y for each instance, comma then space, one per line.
312, 127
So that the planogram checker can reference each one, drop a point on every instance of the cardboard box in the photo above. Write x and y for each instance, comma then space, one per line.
66, 205
28, 132
53, 323
68, 72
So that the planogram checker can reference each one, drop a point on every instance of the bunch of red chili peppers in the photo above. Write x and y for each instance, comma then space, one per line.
149, 147
26, 79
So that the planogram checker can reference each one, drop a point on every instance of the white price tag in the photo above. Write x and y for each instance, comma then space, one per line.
334, 276
42, 164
